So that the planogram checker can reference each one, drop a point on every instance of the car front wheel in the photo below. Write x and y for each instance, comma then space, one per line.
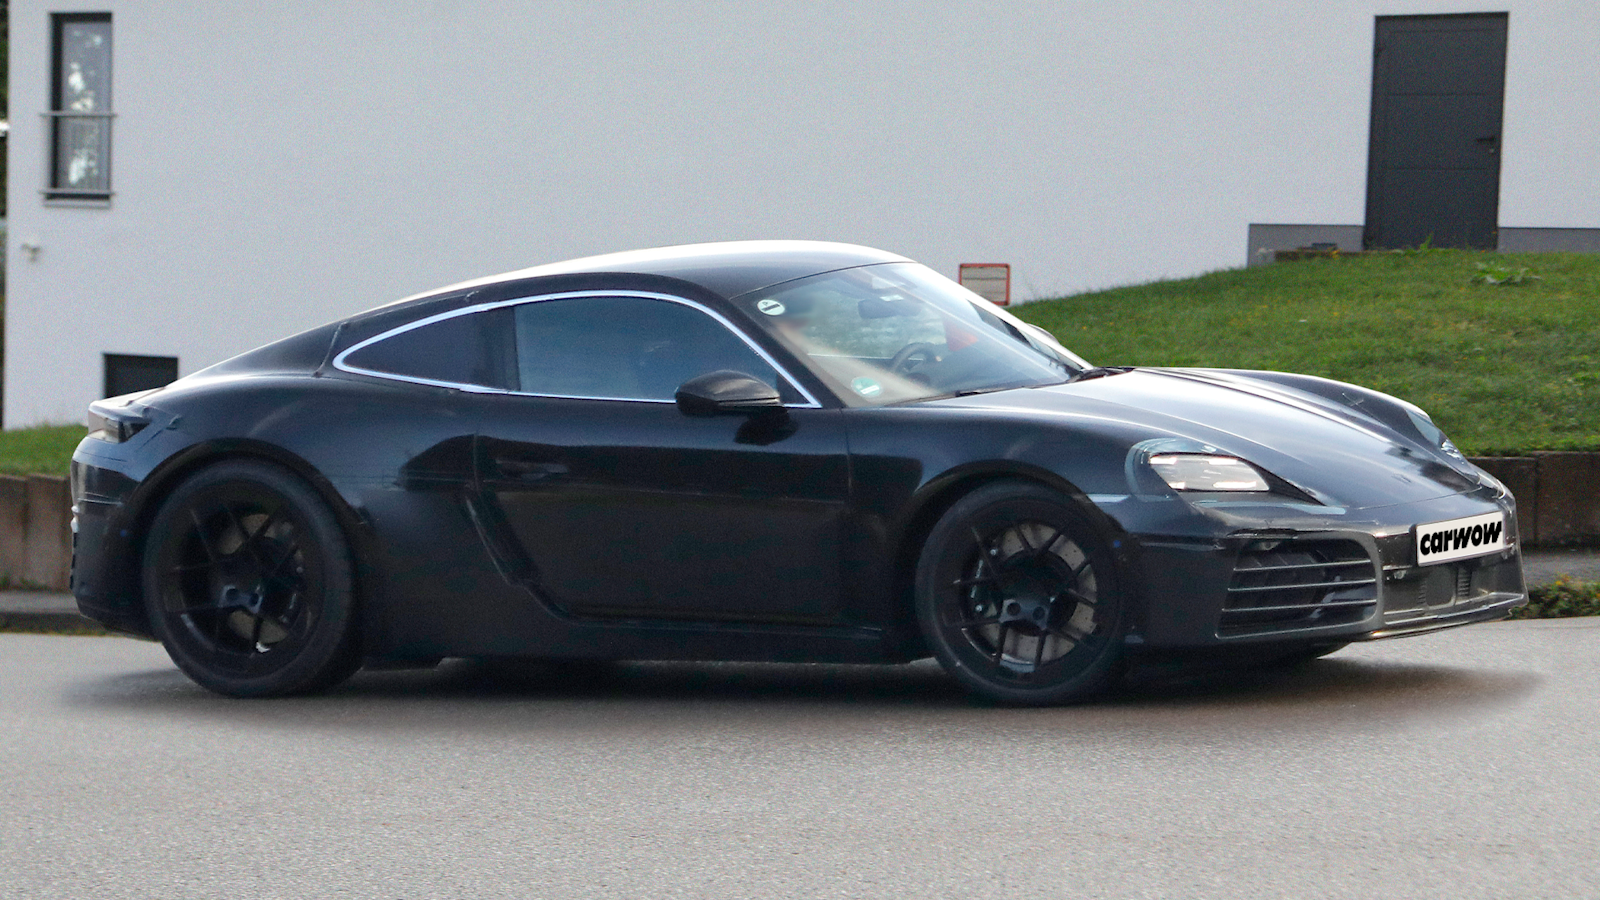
1018, 598
248, 583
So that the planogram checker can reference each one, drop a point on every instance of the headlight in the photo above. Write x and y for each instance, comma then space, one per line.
1197, 472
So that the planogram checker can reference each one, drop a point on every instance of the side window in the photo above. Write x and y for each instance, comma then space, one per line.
473, 349
626, 348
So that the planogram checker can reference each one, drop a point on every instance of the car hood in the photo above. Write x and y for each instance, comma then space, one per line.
1321, 441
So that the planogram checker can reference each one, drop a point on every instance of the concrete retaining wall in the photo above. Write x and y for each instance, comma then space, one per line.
35, 530
1558, 502
1558, 495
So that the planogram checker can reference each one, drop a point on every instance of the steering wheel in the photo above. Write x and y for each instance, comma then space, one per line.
912, 355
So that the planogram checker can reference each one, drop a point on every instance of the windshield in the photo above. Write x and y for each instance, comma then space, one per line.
900, 331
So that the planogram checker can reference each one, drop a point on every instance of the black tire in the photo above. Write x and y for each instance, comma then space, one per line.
248, 582
1018, 597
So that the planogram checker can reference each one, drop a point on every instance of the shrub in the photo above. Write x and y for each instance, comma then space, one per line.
1561, 599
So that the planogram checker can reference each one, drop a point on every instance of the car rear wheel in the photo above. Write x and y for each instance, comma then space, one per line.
248, 583
1018, 597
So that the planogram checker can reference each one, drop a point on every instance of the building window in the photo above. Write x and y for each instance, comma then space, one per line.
126, 374
80, 107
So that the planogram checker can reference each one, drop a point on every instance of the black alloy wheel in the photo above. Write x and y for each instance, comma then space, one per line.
247, 580
1018, 598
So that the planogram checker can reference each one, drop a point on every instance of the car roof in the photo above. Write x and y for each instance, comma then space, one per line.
730, 269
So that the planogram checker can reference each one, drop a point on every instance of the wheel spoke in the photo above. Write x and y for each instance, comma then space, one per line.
983, 573
1027, 545
1038, 650
253, 540
1074, 596
290, 617
200, 530
1045, 547
294, 547
1078, 569
233, 519
984, 550
255, 633
1000, 643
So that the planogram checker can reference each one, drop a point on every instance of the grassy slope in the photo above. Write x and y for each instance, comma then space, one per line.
1502, 369
45, 449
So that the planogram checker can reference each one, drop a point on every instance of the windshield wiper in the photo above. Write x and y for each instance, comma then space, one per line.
1101, 372
969, 392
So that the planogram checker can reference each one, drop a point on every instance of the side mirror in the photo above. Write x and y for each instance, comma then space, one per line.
726, 391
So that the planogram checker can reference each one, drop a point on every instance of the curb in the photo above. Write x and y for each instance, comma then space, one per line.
49, 623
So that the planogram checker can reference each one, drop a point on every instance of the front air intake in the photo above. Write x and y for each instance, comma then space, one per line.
1296, 584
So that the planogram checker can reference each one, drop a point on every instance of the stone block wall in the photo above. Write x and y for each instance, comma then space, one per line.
1558, 495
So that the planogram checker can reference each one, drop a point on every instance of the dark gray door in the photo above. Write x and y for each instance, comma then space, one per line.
611, 501
636, 510
1434, 166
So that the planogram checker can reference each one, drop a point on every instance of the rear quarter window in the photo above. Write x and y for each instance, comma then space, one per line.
475, 349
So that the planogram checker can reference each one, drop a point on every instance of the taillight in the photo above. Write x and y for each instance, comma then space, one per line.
115, 422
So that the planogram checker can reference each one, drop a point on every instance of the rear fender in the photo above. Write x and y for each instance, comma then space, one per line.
142, 505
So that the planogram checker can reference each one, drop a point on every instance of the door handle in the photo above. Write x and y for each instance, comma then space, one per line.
529, 470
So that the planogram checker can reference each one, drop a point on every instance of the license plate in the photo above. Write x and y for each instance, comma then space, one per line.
1443, 542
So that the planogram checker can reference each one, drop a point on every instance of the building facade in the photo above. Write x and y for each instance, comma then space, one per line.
189, 180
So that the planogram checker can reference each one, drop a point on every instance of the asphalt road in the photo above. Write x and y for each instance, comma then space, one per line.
1461, 765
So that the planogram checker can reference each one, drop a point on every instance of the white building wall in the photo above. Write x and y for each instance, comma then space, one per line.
276, 166
1550, 154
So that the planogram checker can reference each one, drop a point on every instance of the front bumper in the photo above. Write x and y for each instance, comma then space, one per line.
1262, 584
104, 554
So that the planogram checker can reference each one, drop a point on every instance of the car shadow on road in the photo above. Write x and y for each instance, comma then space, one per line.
464, 692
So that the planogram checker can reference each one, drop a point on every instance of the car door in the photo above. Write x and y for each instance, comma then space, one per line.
608, 500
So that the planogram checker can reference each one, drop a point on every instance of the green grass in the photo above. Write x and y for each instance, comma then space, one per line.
44, 449
1503, 369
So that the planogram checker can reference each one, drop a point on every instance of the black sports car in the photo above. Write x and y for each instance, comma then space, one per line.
761, 451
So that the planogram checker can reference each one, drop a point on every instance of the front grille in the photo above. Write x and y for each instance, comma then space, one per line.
1445, 585
1294, 584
